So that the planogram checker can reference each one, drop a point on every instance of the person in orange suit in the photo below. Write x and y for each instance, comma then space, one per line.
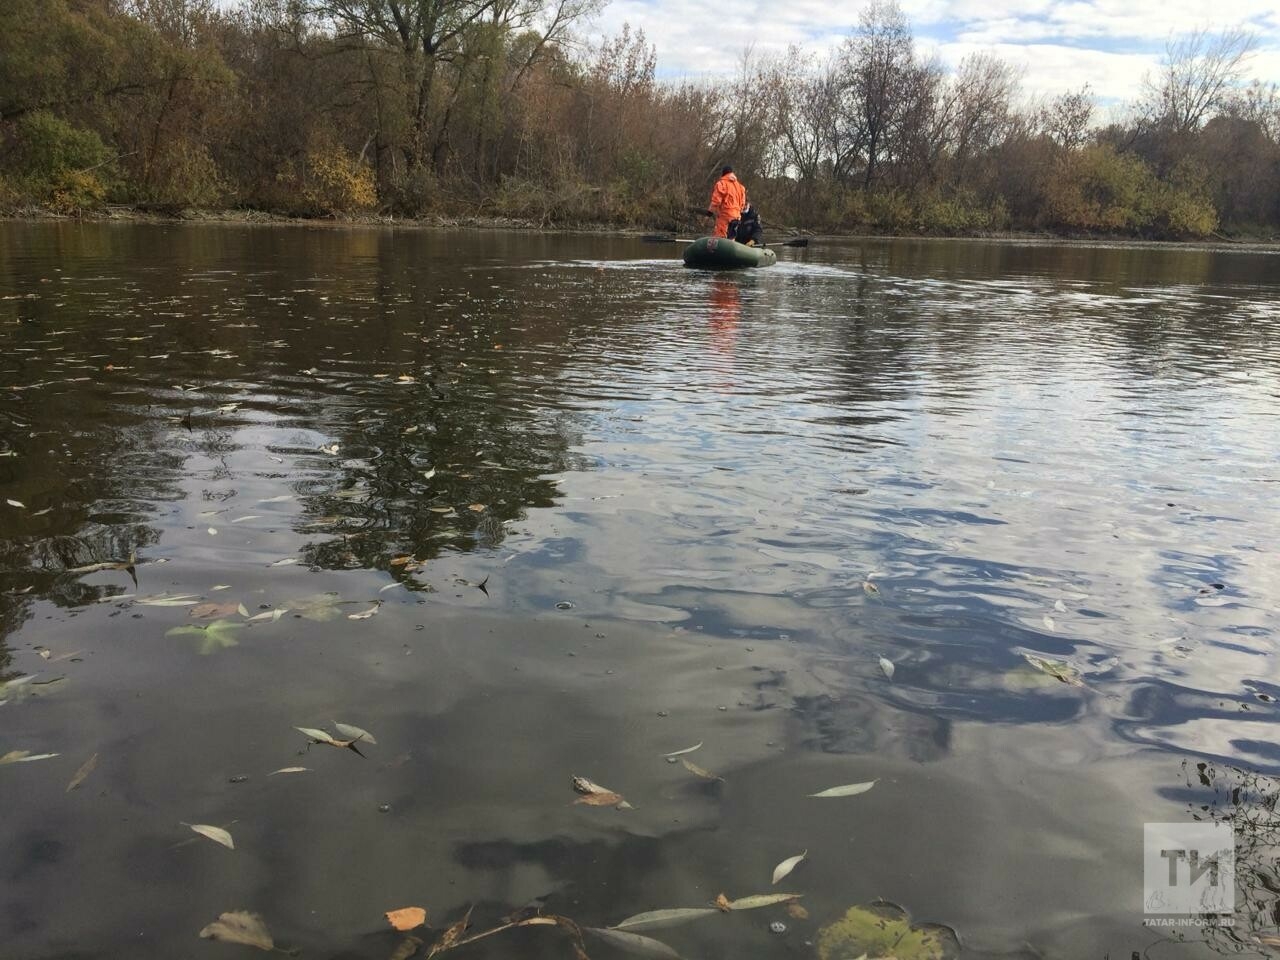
728, 197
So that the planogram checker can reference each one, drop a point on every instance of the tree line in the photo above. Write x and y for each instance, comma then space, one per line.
498, 108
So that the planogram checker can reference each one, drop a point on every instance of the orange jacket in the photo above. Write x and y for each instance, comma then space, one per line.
728, 197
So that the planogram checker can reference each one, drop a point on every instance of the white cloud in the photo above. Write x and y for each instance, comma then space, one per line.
1049, 69
1062, 44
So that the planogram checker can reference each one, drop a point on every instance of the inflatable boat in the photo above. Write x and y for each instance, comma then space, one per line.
721, 253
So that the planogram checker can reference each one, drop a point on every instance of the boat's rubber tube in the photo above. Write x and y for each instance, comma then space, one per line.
721, 253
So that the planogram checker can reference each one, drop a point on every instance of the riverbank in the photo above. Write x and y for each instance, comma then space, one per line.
132, 214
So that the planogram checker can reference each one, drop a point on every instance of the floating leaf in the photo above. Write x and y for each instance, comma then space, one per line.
1059, 606
16, 503
109, 565
86, 768
216, 834
755, 902
848, 790
280, 499
883, 929
216, 636
634, 943
605, 799
208, 611
698, 771
452, 934
319, 736
477, 508
406, 918
165, 600
272, 615
797, 912
678, 753
354, 733
25, 756
1049, 624
429, 474
887, 666
287, 561
870, 589
320, 607
242, 927
213, 531
363, 614
664, 918
583, 785
244, 519
786, 866
1059, 669
289, 770
594, 795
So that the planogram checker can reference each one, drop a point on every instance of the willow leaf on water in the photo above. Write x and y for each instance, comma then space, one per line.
757, 901
634, 943
25, 756
354, 733
680, 753
698, 771
216, 834
786, 866
86, 768
654, 919
848, 790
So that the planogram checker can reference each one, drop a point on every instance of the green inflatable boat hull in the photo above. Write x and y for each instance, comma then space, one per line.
721, 253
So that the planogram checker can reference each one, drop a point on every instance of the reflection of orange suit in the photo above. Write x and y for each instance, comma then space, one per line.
726, 309
728, 197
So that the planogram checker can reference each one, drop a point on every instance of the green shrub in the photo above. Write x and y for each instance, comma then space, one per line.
55, 163
1184, 207
891, 210
1100, 189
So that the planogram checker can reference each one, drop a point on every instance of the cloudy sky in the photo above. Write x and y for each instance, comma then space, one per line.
1061, 44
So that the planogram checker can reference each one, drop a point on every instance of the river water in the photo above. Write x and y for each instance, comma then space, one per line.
530, 507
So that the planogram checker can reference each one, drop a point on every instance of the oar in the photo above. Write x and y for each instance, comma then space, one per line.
657, 238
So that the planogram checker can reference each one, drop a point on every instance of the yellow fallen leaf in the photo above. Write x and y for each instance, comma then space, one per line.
406, 918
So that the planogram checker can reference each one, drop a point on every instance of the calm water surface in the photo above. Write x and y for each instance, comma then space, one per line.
536, 507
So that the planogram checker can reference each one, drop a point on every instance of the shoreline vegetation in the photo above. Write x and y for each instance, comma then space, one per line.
115, 213
475, 112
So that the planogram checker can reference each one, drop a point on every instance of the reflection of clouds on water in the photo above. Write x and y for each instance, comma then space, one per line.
1036, 455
